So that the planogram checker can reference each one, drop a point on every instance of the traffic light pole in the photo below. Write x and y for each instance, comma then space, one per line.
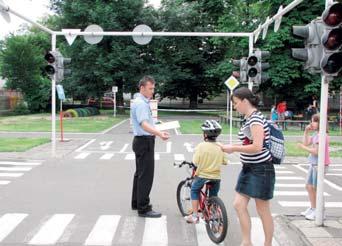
321, 150
53, 104
322, 145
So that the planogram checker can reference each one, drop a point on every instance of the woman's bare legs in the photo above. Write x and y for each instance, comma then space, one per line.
240, 205
264, 211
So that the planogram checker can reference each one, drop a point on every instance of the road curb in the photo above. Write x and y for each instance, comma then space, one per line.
286, 234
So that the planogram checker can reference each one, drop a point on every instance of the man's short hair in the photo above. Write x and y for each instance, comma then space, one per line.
146, 79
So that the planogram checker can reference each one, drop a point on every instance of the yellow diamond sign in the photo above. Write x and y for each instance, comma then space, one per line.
232, 83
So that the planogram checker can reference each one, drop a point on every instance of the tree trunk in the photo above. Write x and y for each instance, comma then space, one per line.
193, 101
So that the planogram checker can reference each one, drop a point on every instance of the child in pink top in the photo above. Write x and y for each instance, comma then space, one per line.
310, 144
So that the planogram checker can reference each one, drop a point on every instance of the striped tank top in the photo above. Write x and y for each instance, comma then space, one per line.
245, 136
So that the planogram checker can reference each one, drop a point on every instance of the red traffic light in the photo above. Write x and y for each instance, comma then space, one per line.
332, 16
50, 57
332, 40
252, 60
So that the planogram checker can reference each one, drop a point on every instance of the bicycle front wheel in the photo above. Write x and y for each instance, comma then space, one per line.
217, 223
184, 198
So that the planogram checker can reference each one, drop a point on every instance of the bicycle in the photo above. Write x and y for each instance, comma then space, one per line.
212, 209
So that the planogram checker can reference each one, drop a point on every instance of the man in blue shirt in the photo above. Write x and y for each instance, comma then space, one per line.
143, 146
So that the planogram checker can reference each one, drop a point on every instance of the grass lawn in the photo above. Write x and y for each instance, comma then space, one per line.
20, 144
293, 150
194, 127
42, 123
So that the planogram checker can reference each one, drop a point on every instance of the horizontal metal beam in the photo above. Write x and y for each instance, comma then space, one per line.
168, 34
8, 9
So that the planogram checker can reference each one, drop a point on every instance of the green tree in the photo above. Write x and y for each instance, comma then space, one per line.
22, 59
187, 60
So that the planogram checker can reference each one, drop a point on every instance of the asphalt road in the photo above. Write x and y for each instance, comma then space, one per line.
84, 197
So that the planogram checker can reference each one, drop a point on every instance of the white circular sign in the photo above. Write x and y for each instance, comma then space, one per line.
142, 39
92, 39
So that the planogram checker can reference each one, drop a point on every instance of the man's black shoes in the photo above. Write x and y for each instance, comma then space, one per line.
150, 214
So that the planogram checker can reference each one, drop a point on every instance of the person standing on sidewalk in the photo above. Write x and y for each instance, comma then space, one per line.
310, 144
257, 177
143, 146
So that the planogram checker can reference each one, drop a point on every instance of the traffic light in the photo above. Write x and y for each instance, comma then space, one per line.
256, 68
61, 67
51, 57
56, 65
242, 64
331, 62
262, 66
252, 70
312, 52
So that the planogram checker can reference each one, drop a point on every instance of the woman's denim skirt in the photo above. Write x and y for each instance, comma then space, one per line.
257, 180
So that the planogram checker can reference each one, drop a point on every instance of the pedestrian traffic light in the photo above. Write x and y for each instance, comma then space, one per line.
56, 65
242, 64
51, 58
331, 62
256, 68
252, 70
262, 66
61, 67
312, 52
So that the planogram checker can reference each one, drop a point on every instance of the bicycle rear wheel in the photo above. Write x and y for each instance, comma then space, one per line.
217, 224
183, 197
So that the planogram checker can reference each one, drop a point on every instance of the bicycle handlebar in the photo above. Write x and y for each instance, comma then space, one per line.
190, 164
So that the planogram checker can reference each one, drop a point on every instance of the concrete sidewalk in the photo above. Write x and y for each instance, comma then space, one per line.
297, 231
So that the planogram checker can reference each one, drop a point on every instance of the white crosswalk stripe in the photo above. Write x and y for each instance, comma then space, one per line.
107, 156
110, 230
278, 185
8, 223
15, 169
293, 193
307, 204
20, 163
52, 230
155, 232
82, 155
104, 230
257, 233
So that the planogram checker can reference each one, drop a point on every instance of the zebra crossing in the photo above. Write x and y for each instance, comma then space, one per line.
108, 229
291, 185
10, 170
105, 151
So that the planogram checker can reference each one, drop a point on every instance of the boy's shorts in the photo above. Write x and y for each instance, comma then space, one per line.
197, 185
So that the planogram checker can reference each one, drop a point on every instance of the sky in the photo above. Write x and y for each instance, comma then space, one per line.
33, 9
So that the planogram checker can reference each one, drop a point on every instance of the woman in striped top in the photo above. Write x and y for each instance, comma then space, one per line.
257, 177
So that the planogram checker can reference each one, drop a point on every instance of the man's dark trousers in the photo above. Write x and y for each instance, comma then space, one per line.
143, 147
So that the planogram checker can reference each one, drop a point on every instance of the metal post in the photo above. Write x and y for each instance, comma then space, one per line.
231, 124
321, 150
227, 104
114, 104
340, 118
61, 119
53, 104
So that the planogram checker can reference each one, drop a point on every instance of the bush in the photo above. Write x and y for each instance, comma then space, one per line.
20, 109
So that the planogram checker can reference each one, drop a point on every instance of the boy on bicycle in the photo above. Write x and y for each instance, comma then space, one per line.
208, 158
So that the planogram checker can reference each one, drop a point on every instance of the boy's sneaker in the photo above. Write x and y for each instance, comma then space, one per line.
192, 219
311, 215
306, 212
